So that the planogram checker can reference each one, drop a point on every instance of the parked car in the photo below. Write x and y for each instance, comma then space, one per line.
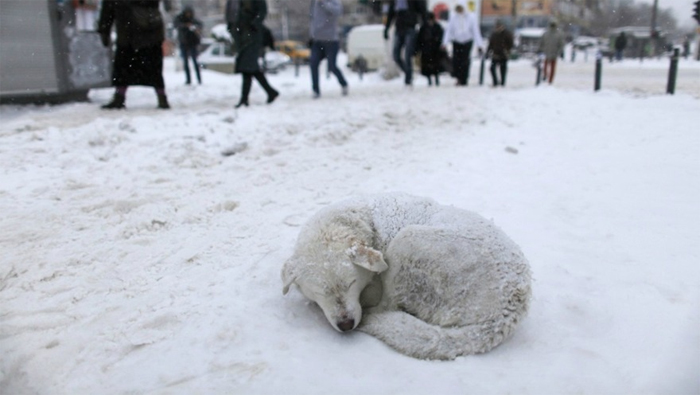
294, 49
220, 57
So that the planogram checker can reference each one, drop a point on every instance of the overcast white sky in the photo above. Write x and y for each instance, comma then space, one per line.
682, 9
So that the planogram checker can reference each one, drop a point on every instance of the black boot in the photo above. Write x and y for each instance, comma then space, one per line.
245, 90
117, 102
271, 92
163, 102
271, 96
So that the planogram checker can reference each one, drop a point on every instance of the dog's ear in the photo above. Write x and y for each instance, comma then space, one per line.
288, 276
369, 258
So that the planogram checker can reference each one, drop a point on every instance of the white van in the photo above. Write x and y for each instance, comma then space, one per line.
368, 41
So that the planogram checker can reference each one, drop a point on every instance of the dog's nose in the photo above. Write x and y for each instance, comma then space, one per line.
346, 325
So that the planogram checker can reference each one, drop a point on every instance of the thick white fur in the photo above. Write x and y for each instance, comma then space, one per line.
439, 282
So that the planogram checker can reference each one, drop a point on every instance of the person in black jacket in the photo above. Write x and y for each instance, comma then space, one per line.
428, 45
620, 45
406, 14
245, 23
138, 59
189, 31
500, 45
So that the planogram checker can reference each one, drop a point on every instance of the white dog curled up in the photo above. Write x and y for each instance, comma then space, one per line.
431, 281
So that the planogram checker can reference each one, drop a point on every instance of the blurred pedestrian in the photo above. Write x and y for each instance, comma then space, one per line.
325, 41
551, 45
138, 59
620, 45
429, 46
405, 14
189, 34
245, 23
500, 45
463, 32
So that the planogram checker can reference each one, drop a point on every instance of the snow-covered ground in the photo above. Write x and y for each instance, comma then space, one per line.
136, 259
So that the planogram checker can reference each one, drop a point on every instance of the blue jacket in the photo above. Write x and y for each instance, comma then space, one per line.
324, 19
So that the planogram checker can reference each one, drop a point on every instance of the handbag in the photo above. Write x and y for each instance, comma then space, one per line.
445, 62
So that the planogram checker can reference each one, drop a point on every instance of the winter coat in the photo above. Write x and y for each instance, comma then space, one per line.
245, 23
552, 43
406, 19
139, 23
462, 28
621, 42
188, 28
500, 44
428, 44
324, 19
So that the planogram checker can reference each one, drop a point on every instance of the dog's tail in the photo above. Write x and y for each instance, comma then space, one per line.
419, 339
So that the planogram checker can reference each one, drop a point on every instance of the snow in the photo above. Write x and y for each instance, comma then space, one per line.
136, 258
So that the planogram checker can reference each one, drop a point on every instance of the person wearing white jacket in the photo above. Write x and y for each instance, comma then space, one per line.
463, 32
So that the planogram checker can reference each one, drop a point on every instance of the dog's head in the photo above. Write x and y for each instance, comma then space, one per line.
334, 279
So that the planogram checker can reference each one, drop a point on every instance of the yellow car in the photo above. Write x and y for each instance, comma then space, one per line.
295, 49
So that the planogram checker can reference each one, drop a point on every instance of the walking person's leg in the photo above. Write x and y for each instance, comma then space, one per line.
410, 48
245, 89
504, 71
332, 55
399, 42
552, 68
271, 92
184, 54
194, 55
494, 77
459, 63
468, 55
314, 62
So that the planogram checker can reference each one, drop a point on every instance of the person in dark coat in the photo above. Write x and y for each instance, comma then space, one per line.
138, 59
620, 45
189, 33
405, 14
500, 45
429, 45
245, 23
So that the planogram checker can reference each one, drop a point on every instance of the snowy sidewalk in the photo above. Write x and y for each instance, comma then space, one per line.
135, 258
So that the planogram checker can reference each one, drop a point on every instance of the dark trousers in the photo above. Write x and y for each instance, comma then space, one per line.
248, 82
502, 66
405, 40
329, 51
430, 80
461, 61
190, 52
